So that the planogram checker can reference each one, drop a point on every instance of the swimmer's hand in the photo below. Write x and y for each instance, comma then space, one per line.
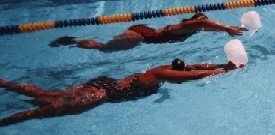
235, 30
230, 66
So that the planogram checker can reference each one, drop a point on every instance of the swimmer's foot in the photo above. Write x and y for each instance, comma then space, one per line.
2, 82
66, 40
2, 124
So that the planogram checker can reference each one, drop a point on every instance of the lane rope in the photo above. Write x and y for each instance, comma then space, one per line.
127, 17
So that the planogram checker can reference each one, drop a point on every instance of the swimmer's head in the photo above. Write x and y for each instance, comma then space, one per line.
178, 64
197, 16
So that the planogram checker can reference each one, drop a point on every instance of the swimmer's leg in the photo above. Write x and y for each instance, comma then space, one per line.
46, 111
126, 40
26, 89
66, 40
89, 44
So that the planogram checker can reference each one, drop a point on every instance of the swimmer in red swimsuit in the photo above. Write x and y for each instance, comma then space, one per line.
141, 33
103, 89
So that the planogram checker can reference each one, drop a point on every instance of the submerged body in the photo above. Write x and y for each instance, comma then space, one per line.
77, 99
141, 33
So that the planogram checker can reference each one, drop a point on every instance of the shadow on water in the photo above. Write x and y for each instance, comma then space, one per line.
69, 71
260, 52
55, 77
164, 92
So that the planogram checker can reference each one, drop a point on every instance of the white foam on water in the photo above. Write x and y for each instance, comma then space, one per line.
100, 8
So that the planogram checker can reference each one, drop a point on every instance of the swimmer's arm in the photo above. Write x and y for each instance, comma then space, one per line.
196, 25
210, 25
198, 67
174, 75
204, 66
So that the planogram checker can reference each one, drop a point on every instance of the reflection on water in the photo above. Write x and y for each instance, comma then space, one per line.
30, 4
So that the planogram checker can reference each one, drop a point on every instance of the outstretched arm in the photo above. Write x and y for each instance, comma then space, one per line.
204, 66
211, 25
226, 67
165, 73
206, 24
201, 66
174, 75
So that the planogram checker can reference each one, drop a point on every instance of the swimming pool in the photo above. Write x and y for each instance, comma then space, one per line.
239, 102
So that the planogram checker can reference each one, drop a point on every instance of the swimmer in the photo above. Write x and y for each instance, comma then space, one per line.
74, 100
142, 33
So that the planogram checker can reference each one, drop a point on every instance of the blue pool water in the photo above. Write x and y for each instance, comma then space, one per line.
238, 102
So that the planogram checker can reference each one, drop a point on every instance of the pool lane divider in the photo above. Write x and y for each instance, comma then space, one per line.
127, 17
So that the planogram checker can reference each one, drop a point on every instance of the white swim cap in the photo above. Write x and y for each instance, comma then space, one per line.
235, 52
251, 20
